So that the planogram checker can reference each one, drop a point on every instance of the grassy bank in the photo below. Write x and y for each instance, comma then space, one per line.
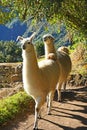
13, 105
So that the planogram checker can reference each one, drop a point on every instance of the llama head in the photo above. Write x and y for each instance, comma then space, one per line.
64, 49
26, 42
48, 38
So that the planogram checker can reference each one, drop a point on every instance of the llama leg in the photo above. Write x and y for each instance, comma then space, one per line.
36, 118
51, 94
37, 110
64, 86
39, 102
59, 91
47, 100
39, 114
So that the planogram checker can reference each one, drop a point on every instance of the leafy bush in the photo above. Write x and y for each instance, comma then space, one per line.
39, 48
10, 106
10, 52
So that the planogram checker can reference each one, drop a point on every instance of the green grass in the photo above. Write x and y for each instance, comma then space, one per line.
13, 105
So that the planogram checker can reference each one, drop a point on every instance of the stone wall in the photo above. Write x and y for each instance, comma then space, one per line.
10, 72
11, 79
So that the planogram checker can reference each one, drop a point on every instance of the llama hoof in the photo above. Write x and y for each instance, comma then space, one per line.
59, 100
35, 128
47, 106
49, 113
39, 117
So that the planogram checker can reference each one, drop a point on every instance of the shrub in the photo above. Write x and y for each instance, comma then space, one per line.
10, 106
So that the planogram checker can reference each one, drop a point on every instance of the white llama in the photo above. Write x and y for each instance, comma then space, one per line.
40, 79
62, 57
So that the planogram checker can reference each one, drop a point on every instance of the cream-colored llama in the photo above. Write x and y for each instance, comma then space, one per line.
62, 57
39, 79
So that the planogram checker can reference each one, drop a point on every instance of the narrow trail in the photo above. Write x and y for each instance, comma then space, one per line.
70, 114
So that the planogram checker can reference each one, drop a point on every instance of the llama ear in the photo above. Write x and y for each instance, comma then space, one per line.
19, 38
32, 36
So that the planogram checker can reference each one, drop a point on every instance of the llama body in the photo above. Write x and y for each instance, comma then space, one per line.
62, 58
65, 69
40, 79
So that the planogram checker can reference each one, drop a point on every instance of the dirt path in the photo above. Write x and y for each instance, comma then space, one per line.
70, 114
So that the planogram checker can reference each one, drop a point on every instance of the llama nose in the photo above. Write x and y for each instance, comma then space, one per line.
23, 47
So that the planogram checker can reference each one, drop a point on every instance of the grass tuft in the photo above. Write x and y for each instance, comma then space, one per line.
13, 105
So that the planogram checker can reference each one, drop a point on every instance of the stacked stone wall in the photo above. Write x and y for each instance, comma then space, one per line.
10, 73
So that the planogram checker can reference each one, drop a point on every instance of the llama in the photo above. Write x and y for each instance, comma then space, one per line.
39, 79
62, 57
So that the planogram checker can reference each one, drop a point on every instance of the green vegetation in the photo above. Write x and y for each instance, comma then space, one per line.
10, 106
39, 48
72, 12
10, 52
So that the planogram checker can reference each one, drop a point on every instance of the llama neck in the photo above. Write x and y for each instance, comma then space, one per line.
30, 60
49, 49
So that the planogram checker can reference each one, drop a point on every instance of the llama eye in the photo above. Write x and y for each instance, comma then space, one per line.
45, 38
29, 42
